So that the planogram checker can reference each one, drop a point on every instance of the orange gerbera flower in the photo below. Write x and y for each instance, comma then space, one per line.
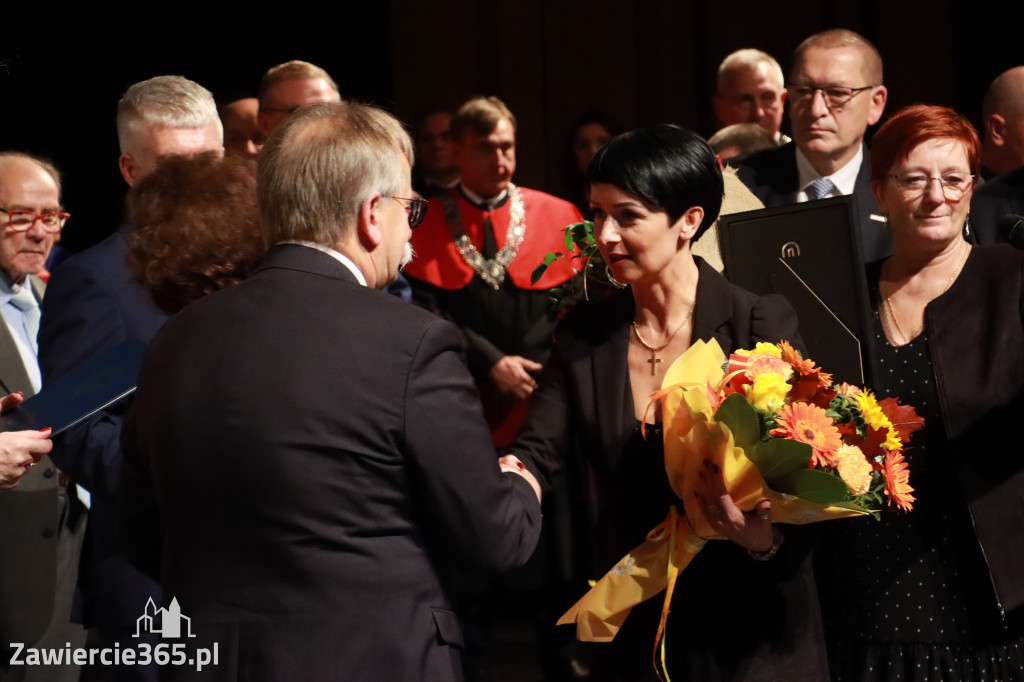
804, 367
897, 480
809, 424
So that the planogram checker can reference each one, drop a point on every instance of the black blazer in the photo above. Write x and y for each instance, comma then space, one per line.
772, 176
976, 340
581, 418
993, 201
299, 452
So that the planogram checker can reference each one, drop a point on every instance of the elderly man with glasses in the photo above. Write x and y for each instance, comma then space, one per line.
835, 92
41, 519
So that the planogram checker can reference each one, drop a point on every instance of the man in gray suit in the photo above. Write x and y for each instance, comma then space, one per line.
40, 520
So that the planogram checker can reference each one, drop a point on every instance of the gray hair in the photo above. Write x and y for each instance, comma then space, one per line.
167, 101
319, 166
50, 169
750, 58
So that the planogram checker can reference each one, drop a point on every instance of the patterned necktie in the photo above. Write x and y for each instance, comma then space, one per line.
819, 189
25, 301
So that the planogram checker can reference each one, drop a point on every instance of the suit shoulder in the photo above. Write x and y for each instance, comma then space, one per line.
764, 160
101, 261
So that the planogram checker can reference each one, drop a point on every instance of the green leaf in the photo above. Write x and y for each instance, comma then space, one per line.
539, 271
778, 457
570, 236
736, 413
812, 485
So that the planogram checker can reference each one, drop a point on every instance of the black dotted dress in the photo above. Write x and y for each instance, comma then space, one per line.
909, 597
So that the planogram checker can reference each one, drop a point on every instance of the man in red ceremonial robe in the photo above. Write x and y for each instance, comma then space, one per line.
476, 250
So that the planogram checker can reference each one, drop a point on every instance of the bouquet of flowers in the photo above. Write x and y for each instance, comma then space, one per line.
778, 429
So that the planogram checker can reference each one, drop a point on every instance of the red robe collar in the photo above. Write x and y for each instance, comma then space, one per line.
439, 263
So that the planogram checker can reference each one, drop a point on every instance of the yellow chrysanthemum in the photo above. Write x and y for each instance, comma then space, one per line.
767, 392
892, 441
872, 413
854, 468
761, 348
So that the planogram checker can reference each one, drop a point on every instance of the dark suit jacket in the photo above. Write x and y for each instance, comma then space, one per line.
993, 201
585, 394
772, 176
92, 304
300, 451
28, 524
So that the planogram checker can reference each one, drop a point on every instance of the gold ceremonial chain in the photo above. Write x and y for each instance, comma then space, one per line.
491, 271
654, 358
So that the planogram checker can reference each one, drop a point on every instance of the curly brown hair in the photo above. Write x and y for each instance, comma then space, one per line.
196, 228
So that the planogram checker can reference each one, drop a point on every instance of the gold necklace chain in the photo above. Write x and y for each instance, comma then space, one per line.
887, 298
654, 350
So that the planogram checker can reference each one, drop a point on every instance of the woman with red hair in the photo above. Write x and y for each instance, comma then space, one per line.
935, 594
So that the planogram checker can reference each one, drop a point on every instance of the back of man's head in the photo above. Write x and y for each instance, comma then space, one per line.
835, 38
322, 163
479, 116
167, 101
1002, 112
165, 116
291, 71
747, 58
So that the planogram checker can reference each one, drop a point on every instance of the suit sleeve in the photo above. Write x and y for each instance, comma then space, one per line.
139, 517
80, 320
487, 517
772, 319
543, 440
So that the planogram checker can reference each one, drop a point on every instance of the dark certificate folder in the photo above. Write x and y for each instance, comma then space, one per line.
809, 253
78, 395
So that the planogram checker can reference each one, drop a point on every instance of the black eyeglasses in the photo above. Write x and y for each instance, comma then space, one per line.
416, 209
836, 96
19, 220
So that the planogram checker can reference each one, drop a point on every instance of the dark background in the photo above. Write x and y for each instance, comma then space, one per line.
64, 66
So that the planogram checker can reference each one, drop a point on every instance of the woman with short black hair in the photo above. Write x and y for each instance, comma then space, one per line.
653, 191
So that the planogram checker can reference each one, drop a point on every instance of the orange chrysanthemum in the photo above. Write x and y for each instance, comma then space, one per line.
809, 424
897, 480
804, 367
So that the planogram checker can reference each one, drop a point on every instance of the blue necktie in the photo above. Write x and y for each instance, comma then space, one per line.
820, 188
25, 301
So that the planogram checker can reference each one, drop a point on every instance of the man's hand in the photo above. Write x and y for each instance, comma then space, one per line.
511, 375
19, 451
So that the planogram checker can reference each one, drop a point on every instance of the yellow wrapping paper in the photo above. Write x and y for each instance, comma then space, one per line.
692, 437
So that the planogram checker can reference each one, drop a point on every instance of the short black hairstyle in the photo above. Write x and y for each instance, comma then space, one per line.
669, 168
